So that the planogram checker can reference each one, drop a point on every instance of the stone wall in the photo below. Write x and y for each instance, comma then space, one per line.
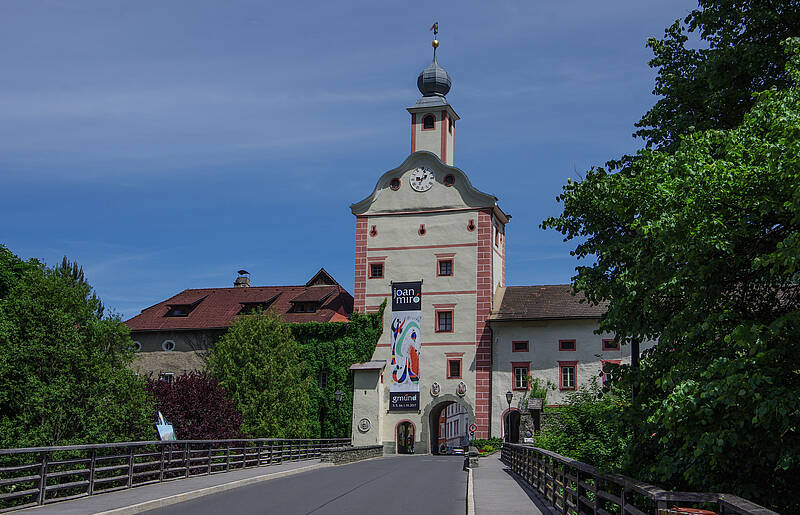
342, 455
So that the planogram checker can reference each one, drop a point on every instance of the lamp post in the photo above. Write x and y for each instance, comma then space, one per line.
509, 397
338, 395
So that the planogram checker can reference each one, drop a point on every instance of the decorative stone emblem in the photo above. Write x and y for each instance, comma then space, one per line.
364, 425
461, 389
435, 389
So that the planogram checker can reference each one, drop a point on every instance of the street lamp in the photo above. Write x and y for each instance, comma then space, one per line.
509, 397
338, 395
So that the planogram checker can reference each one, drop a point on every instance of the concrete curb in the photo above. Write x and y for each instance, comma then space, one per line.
194, 494
470, 494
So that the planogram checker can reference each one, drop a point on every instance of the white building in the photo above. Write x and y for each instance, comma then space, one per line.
424, 222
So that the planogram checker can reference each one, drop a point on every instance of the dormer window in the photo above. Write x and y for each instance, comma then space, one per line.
255, 306
182, 310
428, 122
305, 307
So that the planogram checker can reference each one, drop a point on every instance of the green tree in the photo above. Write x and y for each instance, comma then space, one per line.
257, 362
699, 249
711, 87
63, 368
587, 428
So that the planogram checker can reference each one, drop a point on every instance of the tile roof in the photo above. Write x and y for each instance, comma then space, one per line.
218, 307
544, 302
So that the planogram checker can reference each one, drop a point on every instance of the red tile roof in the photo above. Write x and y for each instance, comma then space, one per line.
218, 307
544, 302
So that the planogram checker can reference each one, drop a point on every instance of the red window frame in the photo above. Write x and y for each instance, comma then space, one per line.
562, 342
449, 376
567, 364
376, 263
514, 346
439, 267
603, 366
516, 365
603, 346
452, 320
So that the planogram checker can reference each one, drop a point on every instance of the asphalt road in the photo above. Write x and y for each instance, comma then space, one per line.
407, 485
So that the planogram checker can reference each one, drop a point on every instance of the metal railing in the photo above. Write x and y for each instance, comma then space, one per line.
573, 487
40, 475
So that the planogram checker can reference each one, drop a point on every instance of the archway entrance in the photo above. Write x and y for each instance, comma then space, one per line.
511, 426
449, 423
405, 435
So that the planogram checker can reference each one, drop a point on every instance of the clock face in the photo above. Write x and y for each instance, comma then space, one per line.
421, 179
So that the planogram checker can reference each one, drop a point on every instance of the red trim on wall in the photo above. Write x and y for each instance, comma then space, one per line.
454, 354
465, 292
562, 364
562, 342
527, 346
460, 371
424, 211
413, 132
360, 286
606, 340
603, 366
444, 305
452, 266
441, 344
415, 247
446, 255
483, 333
452, 320
376, 258
444, 137
422, 124
520, 364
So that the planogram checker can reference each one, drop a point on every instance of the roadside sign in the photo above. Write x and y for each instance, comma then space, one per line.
473, 427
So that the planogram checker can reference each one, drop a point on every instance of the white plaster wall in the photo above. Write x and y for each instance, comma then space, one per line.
367, 403
544, 357
498, 255
430, 139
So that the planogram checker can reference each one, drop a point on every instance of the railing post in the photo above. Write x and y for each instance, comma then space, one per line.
161, 464
210, 447
92, 461
43, 478
227, 455
186, 461
258, 453
130, 466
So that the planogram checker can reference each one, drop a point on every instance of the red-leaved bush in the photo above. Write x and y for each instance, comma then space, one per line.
197, 407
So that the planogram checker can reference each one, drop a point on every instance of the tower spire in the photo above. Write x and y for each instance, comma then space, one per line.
435, 42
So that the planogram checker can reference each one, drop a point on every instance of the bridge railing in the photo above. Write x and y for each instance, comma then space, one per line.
574, 487
40, 475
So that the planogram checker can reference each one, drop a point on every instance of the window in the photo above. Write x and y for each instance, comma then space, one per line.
428, 122
181, 310
445, 267
567, 345
300, 307
603, 369
166, 376
449, 179
168, 345
610, 345
521, 346
567, 375
521, 371
137, 346
311, 307
444, 321
454, 368
452, 123
375, 270
322, 381
395, 184
251, 307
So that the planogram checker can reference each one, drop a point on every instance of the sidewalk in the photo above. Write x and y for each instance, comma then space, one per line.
143, 498
497, 490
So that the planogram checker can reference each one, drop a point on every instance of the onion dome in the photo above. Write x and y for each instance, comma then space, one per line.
434, 80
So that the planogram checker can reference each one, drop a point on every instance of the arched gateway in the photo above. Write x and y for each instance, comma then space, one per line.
432, 415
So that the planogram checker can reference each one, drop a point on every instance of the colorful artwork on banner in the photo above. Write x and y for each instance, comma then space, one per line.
406, 342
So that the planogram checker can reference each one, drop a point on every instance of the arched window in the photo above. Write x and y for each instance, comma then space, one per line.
428, 121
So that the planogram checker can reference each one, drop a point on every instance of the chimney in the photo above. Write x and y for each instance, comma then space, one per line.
243, 281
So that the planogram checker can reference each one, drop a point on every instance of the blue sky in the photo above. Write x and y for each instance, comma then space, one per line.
166, 144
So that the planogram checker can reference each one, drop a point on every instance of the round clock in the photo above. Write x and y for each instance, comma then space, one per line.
421, 179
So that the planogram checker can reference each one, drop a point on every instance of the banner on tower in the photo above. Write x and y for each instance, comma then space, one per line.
406, 341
